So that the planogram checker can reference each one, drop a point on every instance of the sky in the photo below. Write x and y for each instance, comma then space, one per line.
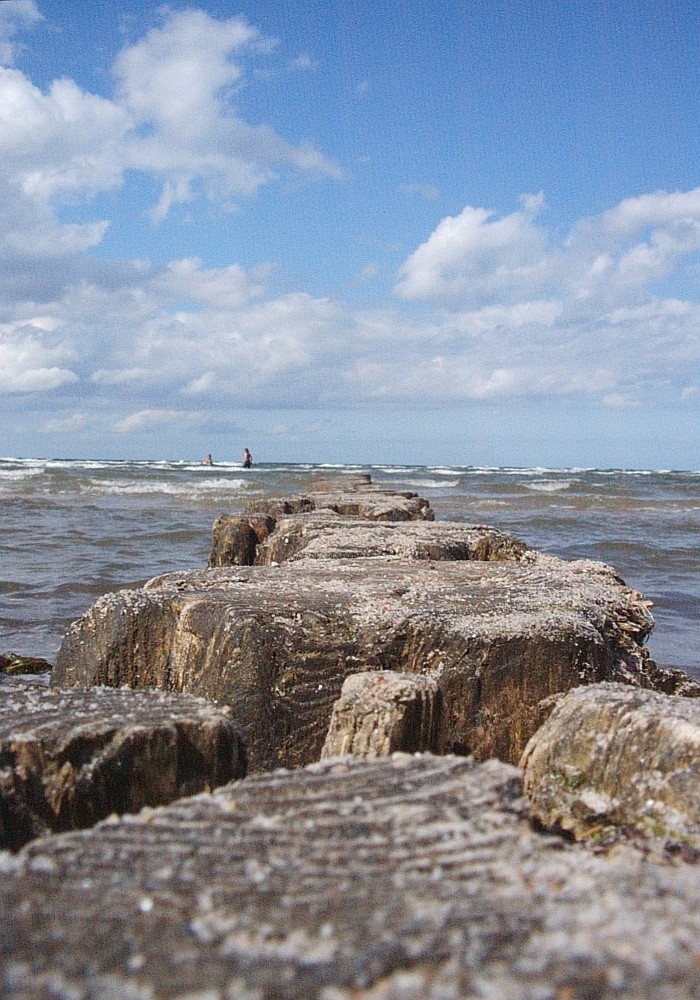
461, 233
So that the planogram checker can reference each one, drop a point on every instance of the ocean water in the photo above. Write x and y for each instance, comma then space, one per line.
73, 530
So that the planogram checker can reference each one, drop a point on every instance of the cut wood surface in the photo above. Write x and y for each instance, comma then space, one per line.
405, 878
614, 756
276, 643
70, 758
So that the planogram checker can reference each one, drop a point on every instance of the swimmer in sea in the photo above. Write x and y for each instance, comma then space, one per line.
247, 459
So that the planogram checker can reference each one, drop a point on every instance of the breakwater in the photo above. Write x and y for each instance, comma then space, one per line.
73, 530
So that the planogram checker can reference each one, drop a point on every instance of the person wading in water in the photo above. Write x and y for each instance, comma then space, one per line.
247, 459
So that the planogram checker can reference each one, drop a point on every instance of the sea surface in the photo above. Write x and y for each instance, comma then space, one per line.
73, 530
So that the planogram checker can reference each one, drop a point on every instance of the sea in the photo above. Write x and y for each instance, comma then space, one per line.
72, 530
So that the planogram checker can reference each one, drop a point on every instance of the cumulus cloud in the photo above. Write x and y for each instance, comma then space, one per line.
490, 306
203, 384
475, 256
601, 328
218, 337
221, 288
67, 425
172, 117
149, 419
30, 359
303, 62
621, 401
179, 84
61, 141
617, 258
21, 373
15, 16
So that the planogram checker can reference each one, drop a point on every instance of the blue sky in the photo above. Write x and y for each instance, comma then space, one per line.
463, 233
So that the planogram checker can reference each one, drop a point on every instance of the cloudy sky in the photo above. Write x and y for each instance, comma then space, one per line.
458, 232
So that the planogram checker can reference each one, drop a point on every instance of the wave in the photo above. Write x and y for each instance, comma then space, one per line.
16, 475
550, 485
431, 484
207, 470
128, 487
325, 465
407, 470
79, 464
388, 467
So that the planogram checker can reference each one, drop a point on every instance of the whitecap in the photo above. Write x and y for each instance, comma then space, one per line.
127, 487
219, 484
549, 485
431, 484
16, 475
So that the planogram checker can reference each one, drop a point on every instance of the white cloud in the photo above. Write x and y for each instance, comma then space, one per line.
120, 376
612, 259
621, 401
179, 85
174, 74
150, 419
533, 313
303, 62
489, 307
600, 330
20, 374
15, 16
228, 340
204, 383
657, 209
63, 141
67, 425
30, 363
620, 253
173, 116
474, 256
221, 338
223, 287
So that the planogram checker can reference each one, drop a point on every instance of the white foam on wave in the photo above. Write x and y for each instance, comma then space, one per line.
432, 484
550, 485
631, 472
413, 470
80, 464
220, 484
515, 470
214, 469
445, 470
20, 473
17, 475
127, 487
